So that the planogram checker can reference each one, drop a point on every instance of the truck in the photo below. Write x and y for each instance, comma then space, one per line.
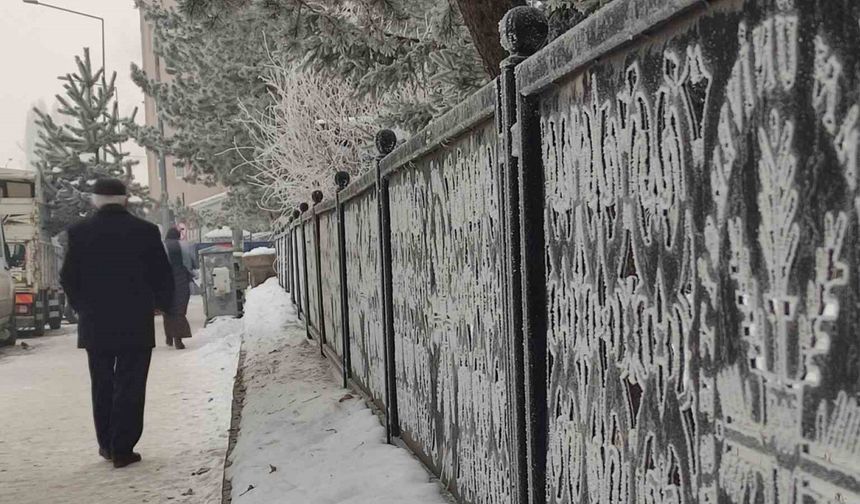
8, 331
34, 257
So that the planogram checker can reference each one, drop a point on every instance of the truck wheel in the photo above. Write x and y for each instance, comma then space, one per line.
55, 323
10, 332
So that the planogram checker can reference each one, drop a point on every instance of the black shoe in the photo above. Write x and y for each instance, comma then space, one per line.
120, 461
168, 341
105, 454
180, 345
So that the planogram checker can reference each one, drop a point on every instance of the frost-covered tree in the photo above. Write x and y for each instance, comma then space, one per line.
381, 48
313, 128
414, 58
82, 147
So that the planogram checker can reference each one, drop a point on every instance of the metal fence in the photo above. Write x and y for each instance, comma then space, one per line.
624, 271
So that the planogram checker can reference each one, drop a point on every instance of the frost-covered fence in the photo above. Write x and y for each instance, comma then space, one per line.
625, 271
284, 262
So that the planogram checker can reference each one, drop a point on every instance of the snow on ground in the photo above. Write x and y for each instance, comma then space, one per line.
48, 451
304, 439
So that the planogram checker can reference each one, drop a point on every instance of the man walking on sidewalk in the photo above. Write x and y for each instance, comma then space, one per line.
115, 275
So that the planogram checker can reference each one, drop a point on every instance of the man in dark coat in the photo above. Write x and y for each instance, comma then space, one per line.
116, 274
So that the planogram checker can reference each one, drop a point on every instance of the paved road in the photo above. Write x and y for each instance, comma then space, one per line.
48, 452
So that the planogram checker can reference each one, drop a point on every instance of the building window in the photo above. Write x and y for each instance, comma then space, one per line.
180, 170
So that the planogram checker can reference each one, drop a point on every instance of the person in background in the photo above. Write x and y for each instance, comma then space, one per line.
115, 275
182, 263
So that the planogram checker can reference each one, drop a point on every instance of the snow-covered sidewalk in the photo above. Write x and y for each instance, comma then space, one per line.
48, 451
303, 439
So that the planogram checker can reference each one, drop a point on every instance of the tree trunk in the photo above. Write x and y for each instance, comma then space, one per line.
482, 19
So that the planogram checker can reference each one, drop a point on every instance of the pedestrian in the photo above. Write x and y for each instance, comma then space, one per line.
182, 263
115, 275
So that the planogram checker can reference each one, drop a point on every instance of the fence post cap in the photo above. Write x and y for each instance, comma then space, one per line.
524, 30
317, 196
296, 214
386, 140
303, 207
341, 179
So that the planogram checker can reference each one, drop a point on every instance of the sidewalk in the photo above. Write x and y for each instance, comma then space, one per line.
303, 439
48, 451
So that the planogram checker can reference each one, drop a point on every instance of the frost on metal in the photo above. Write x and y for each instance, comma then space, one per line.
701, 225
283, 266
451, 360
367, 356
312, 288
330, 275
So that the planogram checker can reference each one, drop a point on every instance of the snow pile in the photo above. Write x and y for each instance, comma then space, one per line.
303, 438
261, 251
223, 233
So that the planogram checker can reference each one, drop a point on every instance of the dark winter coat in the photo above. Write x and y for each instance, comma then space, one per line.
115, 275
181, 263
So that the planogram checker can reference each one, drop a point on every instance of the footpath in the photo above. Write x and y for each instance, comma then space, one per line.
48, 452
302, 439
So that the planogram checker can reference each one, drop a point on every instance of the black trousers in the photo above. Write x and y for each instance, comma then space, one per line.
119, 393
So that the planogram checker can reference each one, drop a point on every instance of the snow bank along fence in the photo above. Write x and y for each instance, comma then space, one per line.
625, 271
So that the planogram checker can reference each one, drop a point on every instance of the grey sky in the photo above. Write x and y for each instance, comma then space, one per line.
38, 44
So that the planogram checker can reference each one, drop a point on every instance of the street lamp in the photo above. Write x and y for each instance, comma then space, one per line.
101, 20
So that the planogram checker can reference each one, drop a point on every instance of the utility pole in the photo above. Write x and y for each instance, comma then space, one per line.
162, 175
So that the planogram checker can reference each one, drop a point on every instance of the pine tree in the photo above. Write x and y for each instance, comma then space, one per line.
82, 147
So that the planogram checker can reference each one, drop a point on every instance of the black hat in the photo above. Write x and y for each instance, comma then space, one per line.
109, 187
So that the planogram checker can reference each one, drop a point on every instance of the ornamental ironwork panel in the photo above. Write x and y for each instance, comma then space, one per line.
364, 279
330, 271
701, 224
451, 358
312, 288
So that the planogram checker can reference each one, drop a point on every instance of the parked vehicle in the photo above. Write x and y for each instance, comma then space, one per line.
8, 331
34, 258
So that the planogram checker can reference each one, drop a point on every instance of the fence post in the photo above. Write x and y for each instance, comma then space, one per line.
291, 258
341, 179
317, 197
305, 295
286, 264
294, 273
524, 31
386, 140
288, 267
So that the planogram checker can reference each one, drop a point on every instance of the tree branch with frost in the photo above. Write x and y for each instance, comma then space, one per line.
314, 127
